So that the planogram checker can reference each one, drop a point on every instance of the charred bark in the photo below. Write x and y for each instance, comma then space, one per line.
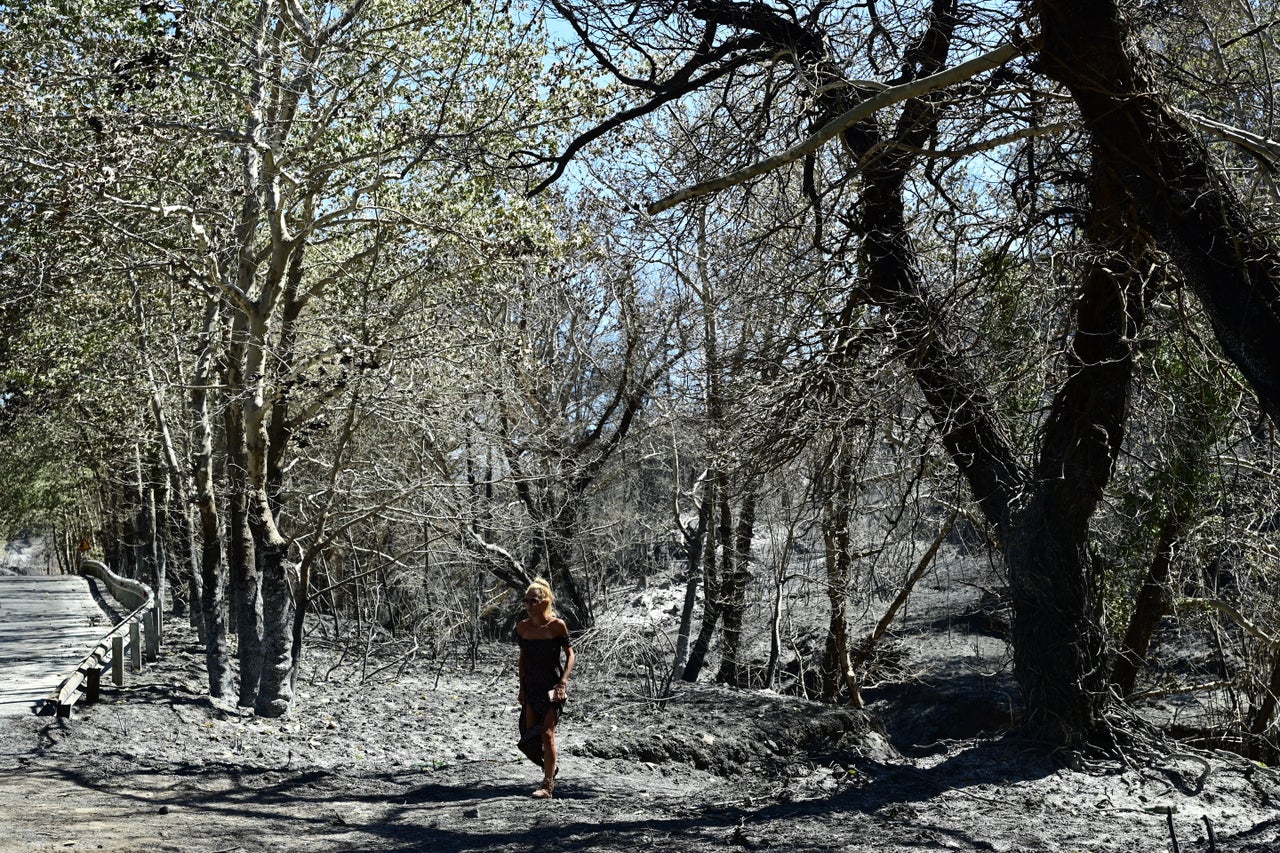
270, 548
1153, 603
275, 685
242, 565
836, 537
213, 571
694, 537
1231, 266
711, 596
733, 591
1042, 516
1265, 746
1041, 511
556, 547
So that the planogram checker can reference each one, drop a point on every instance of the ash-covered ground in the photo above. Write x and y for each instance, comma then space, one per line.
391, 752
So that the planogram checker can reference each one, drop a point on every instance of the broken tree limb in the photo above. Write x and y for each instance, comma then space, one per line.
889, 96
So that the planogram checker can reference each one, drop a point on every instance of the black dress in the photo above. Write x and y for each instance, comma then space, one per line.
543, 669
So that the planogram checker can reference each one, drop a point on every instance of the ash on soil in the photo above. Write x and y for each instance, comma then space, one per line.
387, 751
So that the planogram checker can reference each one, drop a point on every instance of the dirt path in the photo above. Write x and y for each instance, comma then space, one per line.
425, 761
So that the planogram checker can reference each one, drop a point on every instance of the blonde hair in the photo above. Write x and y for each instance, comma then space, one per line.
543, 589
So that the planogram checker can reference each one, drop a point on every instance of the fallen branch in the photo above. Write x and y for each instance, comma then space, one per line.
1162, 692
864, 651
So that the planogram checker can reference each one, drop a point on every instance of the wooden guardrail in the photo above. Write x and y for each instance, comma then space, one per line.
142, 623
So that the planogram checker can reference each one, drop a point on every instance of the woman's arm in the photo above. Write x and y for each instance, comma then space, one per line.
560, 691
570, 657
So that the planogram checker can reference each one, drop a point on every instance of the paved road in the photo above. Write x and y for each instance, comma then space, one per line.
48, 623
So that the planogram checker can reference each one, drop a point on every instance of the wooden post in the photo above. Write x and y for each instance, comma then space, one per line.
152, 630
93, 685
135, 646
117, 660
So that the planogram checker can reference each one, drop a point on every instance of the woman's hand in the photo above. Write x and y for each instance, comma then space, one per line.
560, 692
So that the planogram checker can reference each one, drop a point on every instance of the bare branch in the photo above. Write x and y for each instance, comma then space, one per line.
681, 84
839, 124
1259, 146
992, 143
502, 562
1231, 612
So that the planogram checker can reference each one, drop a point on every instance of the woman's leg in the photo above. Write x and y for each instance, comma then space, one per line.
549, 753
530, 735
530, 718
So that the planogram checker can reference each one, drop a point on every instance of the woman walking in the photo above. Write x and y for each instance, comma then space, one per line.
543, 639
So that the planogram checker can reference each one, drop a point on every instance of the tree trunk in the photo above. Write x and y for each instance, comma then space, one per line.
181, 545
781, 571
693, 540
1189, 209
172, 485
246, 586
242, 564
711, 601
557, 546
213, 600
1263, 748
1152, 604
275, 691
1193, 435
1058, 638
838, 557
1060, 644
142, 538
159, 551
735, 578
296, 600
213, 574
1041, 515
269, 547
